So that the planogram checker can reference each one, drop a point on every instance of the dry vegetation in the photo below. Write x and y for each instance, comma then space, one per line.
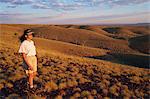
63, 73
71, 77
83, 37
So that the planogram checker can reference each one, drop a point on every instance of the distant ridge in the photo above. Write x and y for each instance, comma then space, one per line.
142, 24
101, 24
130, 24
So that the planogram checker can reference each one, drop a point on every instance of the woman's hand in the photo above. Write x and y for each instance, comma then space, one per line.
26, 60
30, 68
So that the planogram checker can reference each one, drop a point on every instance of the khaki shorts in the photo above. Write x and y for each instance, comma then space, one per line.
33, 61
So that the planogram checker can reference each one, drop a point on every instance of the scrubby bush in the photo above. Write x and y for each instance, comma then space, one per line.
125, 91
62, 93
58, 97
105, 92
9, 85
1, 86
135, 79
77, 95
13, 96
77, 90
114, 90
44, 70
50, 86
15, 60
15, 76
83, 80
106, 98
85, 93
90, 97
62, 85
101, 85
93, 92
15, 33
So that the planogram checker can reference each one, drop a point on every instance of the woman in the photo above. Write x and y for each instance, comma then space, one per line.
28, 51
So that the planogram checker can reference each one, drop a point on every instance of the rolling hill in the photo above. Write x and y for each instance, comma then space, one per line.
77, 62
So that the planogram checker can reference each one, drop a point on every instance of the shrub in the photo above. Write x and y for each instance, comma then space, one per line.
62, 85
77, 94
72, 97
105, 92
114, 90
118, 84
74, 83
82, 80
15, 60
77, 90
15, 33
44, 70
93, 92
135, 79
58, 97
62, 93
9, 62
69, 83
106, 82
9, 85
34, 97
126, 93
106, 98
50, 86
138, 93
1, 70
101, 85
15, 77
85, 93
1, 86
90, 71
13, 96
90, 97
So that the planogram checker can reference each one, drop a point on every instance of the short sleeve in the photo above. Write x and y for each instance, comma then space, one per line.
22, 48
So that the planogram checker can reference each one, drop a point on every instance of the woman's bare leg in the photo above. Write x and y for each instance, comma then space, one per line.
34, 74
31, 80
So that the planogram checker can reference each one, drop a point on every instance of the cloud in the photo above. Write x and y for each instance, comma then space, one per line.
126, 2
22, 2
112, 2
66, 6
6, 1
14, 14
11, 6
69, 5
17, 2
118, 18
40, 6
28, 18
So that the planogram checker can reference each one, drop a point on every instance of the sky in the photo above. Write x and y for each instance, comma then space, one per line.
74, 11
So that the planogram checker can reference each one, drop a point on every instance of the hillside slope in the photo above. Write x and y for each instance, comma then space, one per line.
83, 37
63, 72
62, 76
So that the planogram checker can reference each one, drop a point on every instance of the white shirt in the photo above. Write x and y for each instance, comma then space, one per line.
28, 48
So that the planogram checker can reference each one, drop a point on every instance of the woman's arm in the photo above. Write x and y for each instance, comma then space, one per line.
25, 59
